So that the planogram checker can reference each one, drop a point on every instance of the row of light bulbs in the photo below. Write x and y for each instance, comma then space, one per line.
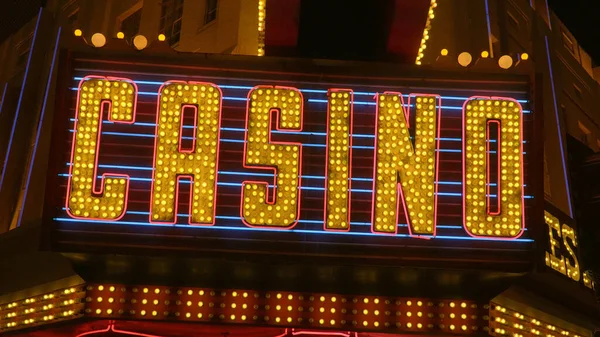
505, 62
139, 41
423, 46
13, 319
519, 321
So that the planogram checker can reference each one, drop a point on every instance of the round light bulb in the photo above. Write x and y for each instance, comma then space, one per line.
98, 40
444, 52
505, 62
140, 42
464, 59
485, 54
78, 32
524, 56
120, 35
161, 37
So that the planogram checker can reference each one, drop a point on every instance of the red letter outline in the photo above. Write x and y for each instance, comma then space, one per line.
97, 154
399, 193
277, 112
187, 176
499, 158
464, 110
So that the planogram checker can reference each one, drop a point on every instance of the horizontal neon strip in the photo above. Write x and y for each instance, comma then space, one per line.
252, 174
352, 223
308, 188
226, 140
310, 100
319, 222
313, 100
444, 107
466, 238
315, 91
303, 133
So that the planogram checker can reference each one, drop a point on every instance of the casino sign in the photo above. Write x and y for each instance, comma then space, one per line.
284, 196
405, 176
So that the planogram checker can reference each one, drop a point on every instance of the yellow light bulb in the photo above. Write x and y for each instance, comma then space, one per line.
505, 62
464, 59
140, 42
98, 40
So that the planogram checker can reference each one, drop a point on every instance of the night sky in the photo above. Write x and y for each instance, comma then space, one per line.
582, 18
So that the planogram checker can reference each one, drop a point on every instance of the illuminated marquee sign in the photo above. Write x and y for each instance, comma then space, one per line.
562, 253
186, 168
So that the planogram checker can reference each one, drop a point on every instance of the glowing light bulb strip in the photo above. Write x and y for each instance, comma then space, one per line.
423, 46
301, 312
509, 322
57, 305
98, 95
262, 14
338, 160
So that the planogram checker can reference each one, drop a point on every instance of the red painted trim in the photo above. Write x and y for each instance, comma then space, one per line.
281, 25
